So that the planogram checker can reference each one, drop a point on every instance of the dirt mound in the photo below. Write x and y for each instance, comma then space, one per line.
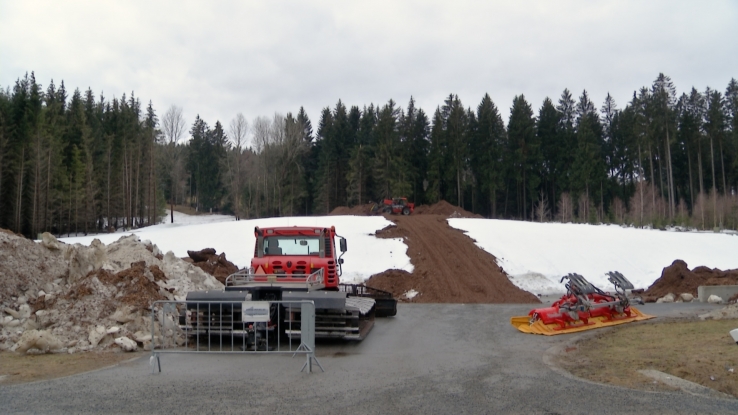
449, 267
446, 209
215, 265
87, 296
135, 286
358, 210
678, 279
396, 281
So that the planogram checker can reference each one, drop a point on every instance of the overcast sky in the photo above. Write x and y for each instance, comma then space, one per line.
219, 58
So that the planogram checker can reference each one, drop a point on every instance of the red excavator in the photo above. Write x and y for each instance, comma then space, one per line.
397, 205
294, 264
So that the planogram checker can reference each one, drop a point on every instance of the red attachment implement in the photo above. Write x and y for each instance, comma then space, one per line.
583, 301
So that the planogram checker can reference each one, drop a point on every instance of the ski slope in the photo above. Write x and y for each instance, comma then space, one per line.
537, 255
366, 256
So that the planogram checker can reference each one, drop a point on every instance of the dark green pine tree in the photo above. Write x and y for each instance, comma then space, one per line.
567, 113
309, 163
457, 140
197, 157
486, 155
325, 150
553, 150
588, 170
437, 159
389, 167
417, 155
731, 106
525, 155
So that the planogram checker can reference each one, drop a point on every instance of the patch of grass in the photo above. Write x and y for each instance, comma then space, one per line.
21, 368
698, 351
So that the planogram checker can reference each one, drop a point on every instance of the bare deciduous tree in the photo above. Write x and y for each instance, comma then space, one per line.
173, 127
239, 130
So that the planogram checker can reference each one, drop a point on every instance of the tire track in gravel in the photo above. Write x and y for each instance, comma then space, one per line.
449, 266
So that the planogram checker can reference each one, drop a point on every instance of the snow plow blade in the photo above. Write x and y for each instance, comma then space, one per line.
583, 307
522, 323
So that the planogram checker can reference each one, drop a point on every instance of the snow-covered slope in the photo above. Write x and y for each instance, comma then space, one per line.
537, 255
367, 255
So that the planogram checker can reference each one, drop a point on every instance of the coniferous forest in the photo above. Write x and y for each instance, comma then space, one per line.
80, 163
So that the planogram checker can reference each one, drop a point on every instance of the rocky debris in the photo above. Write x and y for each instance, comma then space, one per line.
685, 298
728, 312
126, 344
37, 339
668, 298
55, 296
212, 263
714, 299
677, 277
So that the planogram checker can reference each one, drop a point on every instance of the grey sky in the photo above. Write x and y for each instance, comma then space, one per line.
218, 58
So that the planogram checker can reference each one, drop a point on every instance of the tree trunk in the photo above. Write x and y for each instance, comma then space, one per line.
458, 187
36, 177
714, 188
650, 161
640, 164
691, 190
19, 199
722, 163
48, 193
672, 202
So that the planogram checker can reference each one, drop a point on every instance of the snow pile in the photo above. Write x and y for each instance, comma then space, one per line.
77, 298
27, 267
537, 255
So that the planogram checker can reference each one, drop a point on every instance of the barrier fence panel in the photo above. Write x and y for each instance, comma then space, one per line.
236, 327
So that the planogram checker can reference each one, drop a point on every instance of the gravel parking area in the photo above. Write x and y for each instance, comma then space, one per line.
431, 358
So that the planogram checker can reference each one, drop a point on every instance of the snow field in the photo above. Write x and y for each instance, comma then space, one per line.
537, 255
366, 255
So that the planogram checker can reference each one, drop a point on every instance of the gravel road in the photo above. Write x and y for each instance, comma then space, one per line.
431, 358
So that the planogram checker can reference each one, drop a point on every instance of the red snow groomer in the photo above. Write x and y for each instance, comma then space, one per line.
583, 307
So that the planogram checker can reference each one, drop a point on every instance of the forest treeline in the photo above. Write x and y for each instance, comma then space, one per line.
90, 164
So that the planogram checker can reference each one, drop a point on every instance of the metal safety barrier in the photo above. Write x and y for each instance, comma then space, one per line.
233, 327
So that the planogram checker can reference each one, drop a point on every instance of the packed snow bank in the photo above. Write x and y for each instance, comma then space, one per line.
537, 255
367, 255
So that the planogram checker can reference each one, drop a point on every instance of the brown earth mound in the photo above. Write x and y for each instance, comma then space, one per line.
358, 210
216, 265
445, 209
678, 279
135, 286
449, 267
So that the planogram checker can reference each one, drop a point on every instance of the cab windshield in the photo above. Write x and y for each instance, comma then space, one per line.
290, 245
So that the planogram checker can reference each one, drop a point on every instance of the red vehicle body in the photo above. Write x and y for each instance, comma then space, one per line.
397, 205
295, 264
291, 254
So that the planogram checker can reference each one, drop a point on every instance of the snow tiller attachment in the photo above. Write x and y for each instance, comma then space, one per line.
583, 307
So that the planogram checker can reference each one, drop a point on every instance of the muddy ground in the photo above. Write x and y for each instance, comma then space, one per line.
677, 278
449, 267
